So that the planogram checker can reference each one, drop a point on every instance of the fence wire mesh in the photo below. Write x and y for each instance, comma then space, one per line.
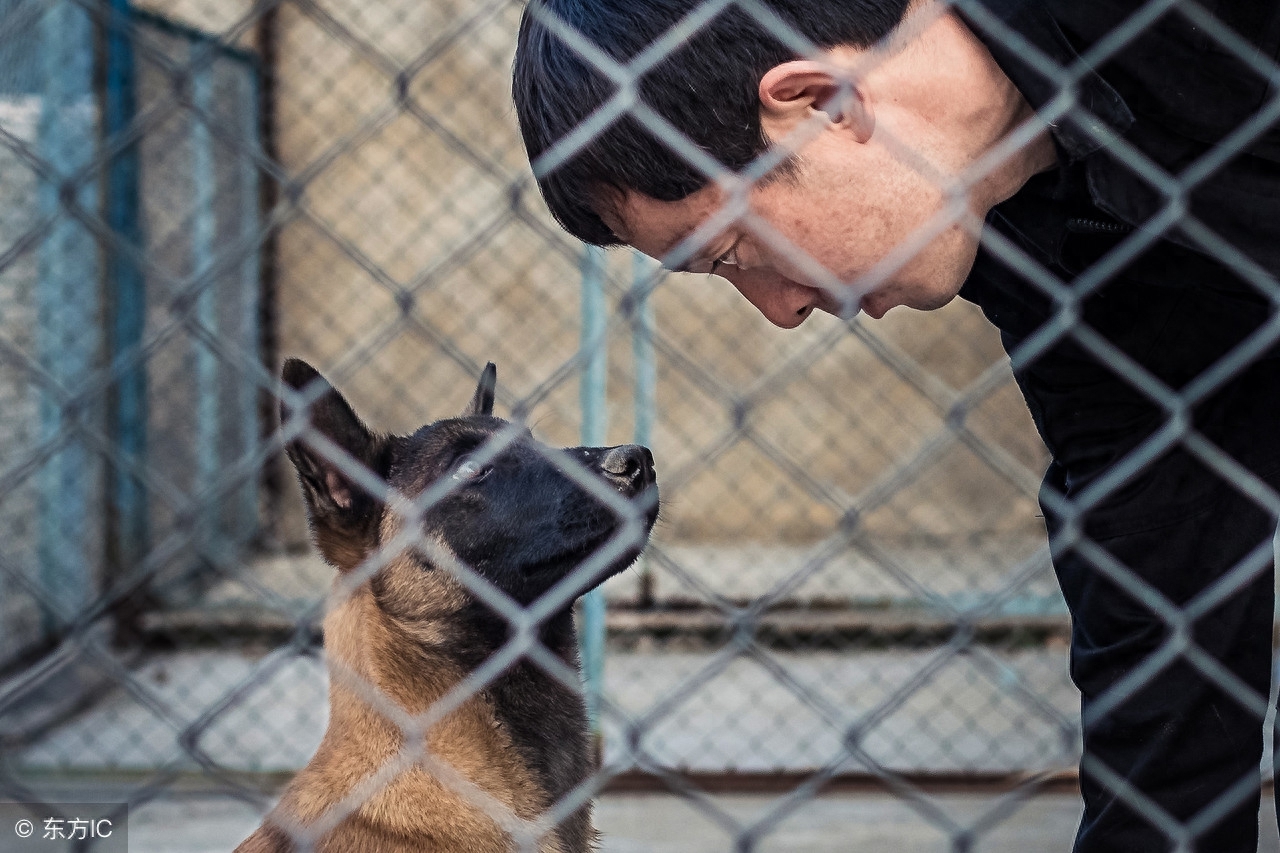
849, 587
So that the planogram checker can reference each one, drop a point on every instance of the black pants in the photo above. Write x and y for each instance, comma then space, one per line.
1177, 738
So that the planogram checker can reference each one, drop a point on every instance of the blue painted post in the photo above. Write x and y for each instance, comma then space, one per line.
203, 231
646, 388
126, 301
595, 356
67, 315
246, 522
642, 349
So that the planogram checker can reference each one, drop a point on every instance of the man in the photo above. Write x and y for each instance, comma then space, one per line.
1083, 170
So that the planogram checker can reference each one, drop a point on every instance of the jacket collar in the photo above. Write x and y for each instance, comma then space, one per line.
1034, 53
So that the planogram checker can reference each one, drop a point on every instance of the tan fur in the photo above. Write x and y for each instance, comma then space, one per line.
414, 811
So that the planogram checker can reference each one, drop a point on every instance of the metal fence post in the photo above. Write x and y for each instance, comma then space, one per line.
250, 295
646, 387
126, 302
595, 370
67, 313
204, 227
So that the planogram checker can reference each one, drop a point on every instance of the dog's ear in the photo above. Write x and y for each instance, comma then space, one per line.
344, 517
482, 402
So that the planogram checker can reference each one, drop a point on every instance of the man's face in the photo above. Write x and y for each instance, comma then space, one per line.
846, 209
865, 220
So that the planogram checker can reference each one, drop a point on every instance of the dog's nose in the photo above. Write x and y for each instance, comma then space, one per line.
629, 467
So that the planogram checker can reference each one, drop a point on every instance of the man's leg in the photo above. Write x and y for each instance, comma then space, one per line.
1179, 740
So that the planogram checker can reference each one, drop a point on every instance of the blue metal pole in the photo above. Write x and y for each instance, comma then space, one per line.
209, 410
203, 230
595, 354
646, 387
126, 300
250, 303
643, 271
67, 314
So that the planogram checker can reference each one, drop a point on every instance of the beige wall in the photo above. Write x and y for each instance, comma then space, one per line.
406, 255
232, 18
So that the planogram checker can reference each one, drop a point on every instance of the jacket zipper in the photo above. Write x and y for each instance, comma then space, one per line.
1097, 226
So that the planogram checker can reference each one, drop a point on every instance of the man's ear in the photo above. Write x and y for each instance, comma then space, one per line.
344, 516
482, 401
793, 92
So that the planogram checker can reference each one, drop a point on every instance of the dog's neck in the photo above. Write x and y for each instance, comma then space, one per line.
369, 659
417, 660
377, 661
374, 687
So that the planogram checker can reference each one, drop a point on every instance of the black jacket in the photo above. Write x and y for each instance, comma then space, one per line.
1190, 288
1108, 299
1158, 98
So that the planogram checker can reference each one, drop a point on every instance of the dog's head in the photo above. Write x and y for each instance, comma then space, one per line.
514, 516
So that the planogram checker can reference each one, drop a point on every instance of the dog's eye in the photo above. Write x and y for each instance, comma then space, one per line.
470, 471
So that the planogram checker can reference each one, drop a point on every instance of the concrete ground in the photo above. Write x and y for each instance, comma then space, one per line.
990, 710
983, 712
658, 823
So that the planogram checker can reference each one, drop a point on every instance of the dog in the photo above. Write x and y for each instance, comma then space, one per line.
405, 636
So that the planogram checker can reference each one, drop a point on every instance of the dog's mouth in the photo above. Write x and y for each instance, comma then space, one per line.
567, 561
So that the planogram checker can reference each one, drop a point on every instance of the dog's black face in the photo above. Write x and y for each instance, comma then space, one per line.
515, 517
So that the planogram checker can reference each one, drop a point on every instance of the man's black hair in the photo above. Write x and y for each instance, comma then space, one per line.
708, 88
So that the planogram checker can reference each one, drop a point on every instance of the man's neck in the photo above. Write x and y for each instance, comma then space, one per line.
937, 68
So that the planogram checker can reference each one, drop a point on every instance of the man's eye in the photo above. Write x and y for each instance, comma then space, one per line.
469, 470
728, 259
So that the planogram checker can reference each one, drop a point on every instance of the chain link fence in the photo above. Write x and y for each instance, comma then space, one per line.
849, 586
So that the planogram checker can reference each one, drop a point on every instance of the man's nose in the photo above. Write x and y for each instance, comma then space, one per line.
783, 302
